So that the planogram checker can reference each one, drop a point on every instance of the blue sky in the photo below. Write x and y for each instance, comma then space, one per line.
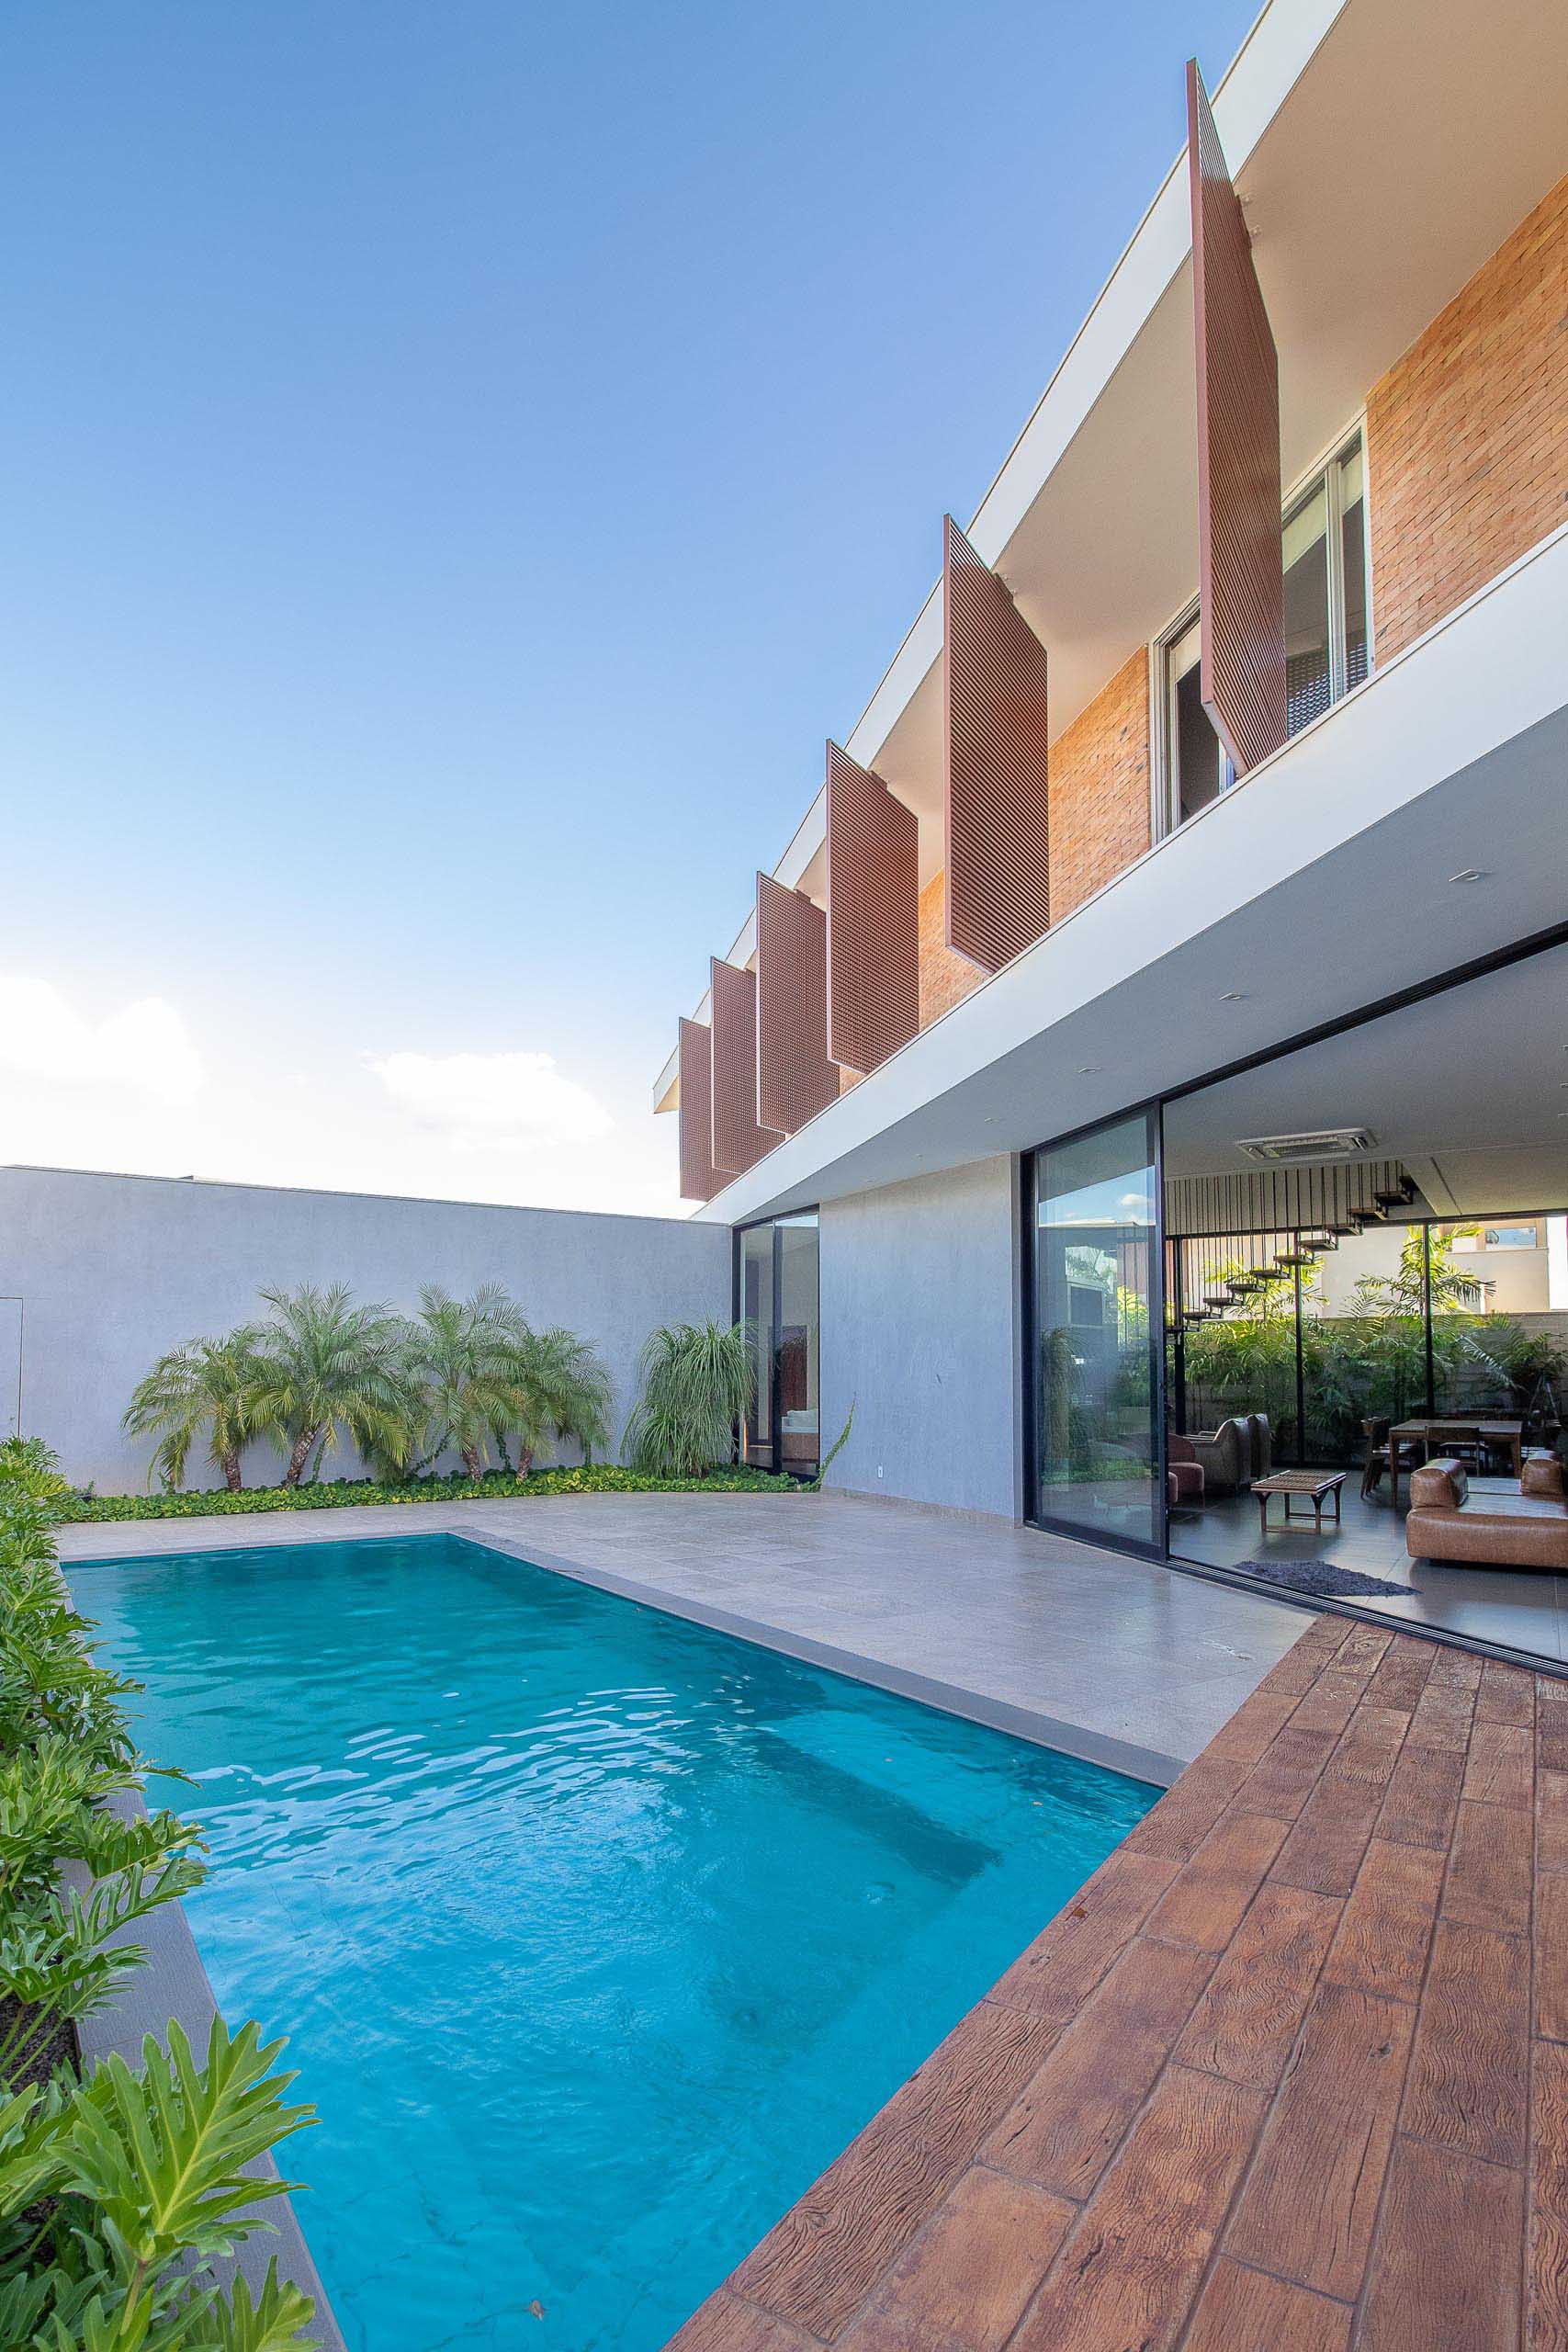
458, 461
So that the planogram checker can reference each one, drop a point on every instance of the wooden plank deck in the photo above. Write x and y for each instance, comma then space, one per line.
1288, 2075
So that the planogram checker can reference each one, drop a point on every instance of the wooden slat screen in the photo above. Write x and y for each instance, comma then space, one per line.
1240, 560
995, 763
699, 1178
738, 1141
874, 947
794, 1077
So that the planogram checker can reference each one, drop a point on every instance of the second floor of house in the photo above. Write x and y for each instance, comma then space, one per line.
1348, 307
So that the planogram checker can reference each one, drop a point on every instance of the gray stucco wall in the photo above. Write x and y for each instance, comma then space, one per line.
112, 1269
920, 1330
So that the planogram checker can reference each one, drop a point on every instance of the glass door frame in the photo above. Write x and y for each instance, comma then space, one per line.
1158, 1548
773, 1439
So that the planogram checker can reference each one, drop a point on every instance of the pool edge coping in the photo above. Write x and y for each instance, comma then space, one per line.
1087, 1747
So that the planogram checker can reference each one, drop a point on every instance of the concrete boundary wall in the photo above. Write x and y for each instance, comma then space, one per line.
110, 1270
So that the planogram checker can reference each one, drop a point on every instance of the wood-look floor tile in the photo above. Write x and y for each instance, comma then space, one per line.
1205, 1902
1506, 1694
1442, 1718
1061, 1968
1246, 2022
1244, 2311
1401, 1676
1330, 1703
1386, 1930
1546, 2291
1311, 2198
1552, 1726
1459, 1669
965, 2280
1178, 1825
1282, 1782
1552, 1956
1066, 2123
1470, 2069
1550, 1820
1444, 2276
1329, 1837
1255, 1726
1501, 1770
1422, 1797
1491, 1867
726, 2323
1131, 2267
822, 2260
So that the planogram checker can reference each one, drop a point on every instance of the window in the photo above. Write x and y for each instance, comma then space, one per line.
1512, 1236
1323, 538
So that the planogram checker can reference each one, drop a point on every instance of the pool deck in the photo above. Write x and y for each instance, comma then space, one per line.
1289, 2075
1114, 1659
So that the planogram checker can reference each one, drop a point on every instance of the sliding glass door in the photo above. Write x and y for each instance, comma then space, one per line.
1097, 1453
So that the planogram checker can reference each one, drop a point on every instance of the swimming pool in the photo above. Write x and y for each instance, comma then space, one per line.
595, 1934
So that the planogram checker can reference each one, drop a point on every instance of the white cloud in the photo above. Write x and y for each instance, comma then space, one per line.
492, 1101
144, 1047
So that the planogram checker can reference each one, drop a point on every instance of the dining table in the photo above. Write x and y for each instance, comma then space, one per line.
1434, 1432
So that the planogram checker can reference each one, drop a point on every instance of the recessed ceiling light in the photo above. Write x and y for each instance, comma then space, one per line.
1470, 874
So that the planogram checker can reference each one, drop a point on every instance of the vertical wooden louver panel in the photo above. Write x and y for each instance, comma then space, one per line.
795, 1078
1240, 560
874, 916
738, 1141
699, 1178
994, 728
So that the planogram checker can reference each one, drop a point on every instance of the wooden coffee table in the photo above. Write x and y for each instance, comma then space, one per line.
1315, 1483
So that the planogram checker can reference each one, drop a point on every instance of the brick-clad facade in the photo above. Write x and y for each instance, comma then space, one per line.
1467, 435
946, 978
1100, 788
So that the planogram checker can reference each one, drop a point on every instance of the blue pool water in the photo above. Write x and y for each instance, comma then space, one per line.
595, 1934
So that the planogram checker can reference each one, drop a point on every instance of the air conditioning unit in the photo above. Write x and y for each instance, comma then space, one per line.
1325, 1142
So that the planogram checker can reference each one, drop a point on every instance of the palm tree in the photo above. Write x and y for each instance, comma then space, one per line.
463, 1355
564, 1392
322, 1366
697, 1383
205, 1384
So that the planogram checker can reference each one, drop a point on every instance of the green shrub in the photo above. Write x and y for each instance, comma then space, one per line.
698, 1382
116, 2194
495, 1486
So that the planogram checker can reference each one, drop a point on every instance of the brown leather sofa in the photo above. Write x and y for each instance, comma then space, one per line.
1527, 1529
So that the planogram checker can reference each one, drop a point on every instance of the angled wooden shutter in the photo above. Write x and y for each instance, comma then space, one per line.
738, 1141
795, 1078
994, 729
1240, 558
699, 1178
874, 916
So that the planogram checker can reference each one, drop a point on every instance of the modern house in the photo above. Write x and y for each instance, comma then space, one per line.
1145, 1070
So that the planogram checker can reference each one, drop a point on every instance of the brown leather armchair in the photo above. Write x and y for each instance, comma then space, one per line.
1507, 1528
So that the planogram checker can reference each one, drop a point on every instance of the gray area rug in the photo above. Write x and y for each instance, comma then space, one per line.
1320, 1578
